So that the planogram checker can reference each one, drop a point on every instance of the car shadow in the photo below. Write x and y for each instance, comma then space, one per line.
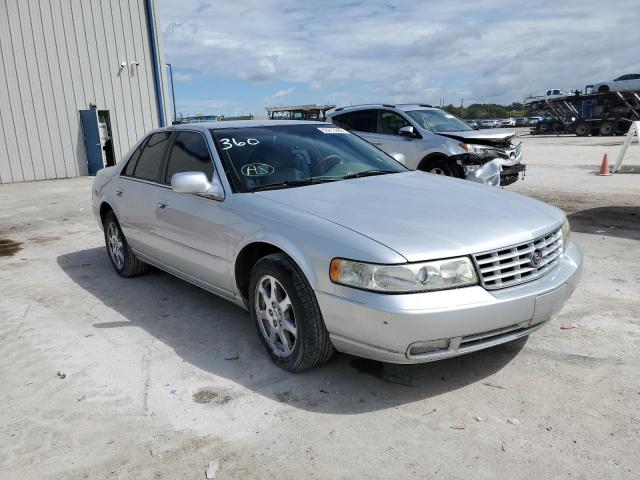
219, 337
613, 221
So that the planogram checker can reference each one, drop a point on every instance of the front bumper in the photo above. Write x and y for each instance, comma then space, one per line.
385, 327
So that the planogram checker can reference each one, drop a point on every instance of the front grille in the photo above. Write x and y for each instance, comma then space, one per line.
513, 265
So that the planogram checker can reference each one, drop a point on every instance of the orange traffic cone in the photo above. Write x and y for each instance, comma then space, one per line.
604, 168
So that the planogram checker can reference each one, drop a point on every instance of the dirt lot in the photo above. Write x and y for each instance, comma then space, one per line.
103, 377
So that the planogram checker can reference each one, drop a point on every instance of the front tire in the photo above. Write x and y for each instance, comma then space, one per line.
122, 257
287, 316
441, 166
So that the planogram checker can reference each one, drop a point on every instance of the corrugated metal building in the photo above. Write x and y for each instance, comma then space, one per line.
80, 82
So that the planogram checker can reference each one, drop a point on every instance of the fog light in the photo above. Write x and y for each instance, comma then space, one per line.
429, 346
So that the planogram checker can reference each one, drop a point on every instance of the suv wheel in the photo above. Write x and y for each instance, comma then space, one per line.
122, 257
441, 166
287, 316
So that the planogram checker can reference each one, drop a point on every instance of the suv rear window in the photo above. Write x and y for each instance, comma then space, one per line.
360, 120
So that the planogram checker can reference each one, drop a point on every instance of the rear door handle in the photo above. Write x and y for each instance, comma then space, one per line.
118, 192
376, 143
162, 204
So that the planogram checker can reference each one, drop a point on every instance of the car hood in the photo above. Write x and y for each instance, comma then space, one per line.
480, 136
424, 216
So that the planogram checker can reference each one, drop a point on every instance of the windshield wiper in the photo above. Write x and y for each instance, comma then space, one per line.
368, 173
292, 183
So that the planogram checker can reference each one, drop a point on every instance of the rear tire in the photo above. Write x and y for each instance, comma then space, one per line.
543, 127
122, 257
287, 316
582, 129
607, 128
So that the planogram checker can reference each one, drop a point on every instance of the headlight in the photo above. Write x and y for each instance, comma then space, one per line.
475, 149
566, 233
406, 278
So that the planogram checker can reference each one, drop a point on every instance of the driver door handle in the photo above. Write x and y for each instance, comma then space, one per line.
377, 142
162, 204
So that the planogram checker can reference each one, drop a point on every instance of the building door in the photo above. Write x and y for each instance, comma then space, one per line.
106, 138
92, 145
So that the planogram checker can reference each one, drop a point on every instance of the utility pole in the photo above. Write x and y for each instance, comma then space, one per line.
173, 92
462, 107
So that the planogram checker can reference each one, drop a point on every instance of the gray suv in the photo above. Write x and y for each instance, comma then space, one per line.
435, 141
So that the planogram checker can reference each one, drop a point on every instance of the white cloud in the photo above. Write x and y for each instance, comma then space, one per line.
180, 77
279, 94
205, 105
497, 50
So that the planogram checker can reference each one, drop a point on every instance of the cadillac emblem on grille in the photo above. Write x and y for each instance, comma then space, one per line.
536, 258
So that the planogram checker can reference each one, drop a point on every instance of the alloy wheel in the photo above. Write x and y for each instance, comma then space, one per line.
275, 315
114, 245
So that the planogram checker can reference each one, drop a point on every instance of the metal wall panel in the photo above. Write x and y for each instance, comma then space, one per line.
61, 56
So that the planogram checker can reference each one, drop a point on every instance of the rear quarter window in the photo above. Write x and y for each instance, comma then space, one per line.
151, 158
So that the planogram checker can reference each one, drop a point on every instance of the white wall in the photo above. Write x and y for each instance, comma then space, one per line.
58, 57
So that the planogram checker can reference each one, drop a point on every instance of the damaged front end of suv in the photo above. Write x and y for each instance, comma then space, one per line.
492, 159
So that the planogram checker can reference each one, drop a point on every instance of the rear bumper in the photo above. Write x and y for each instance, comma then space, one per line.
388, 327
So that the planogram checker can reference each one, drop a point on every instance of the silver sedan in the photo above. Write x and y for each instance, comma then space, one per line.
331, 244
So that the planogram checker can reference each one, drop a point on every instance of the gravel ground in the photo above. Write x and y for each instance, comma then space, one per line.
104, 377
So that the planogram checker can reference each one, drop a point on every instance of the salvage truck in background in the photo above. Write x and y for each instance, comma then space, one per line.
605, 113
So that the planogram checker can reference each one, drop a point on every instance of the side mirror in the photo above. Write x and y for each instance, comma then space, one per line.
197, 183
407, 131
398, 157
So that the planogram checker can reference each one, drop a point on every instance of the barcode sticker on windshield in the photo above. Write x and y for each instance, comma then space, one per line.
332, 130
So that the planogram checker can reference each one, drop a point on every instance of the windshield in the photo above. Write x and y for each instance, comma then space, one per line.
439, 121
293, 155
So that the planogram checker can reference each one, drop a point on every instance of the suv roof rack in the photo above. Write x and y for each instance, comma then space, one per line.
426, 105
365, 105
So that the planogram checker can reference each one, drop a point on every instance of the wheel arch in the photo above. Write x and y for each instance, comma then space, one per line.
105, 208
427, 159
255, 249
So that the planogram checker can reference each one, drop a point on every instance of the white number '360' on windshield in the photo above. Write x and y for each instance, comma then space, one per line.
228, 143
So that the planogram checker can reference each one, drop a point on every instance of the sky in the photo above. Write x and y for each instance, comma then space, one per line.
235, 58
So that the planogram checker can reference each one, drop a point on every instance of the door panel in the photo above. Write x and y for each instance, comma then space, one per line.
135, 206
135, 192
192, 229
389, 140
192, 232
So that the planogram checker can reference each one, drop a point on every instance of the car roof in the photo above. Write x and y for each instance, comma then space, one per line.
241, 124
404, 107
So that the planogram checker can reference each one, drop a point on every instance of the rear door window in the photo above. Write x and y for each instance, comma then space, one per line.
151, 159
133, 160
363, 121
189, 153
341, 120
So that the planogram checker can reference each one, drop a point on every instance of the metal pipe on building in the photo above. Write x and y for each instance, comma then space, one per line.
155, 58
